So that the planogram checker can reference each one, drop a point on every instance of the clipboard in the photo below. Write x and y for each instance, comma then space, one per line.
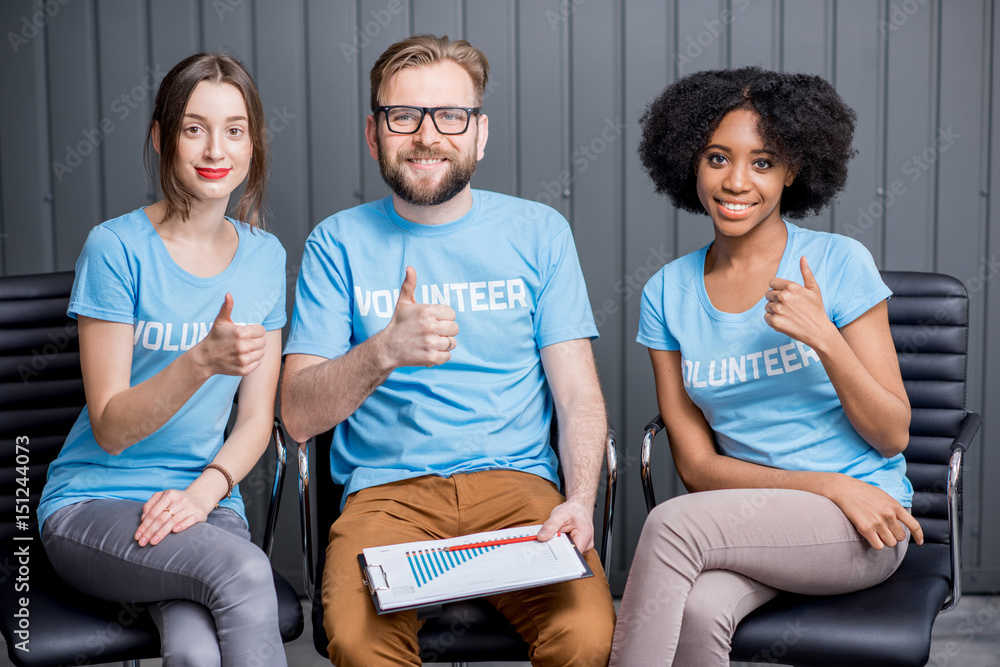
414, 575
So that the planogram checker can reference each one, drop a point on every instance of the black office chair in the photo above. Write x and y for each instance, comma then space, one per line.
889, 624
41, 395
457, 632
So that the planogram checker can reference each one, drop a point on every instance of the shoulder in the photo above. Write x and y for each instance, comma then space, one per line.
522, 215
353, 221
672, 275
123, 235
834, 247
259, 239
132, 225
682, 269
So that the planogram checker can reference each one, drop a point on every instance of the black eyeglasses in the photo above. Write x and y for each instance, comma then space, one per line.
447, 120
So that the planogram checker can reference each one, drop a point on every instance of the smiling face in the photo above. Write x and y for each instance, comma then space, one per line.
739, 182
428, 168
214, 148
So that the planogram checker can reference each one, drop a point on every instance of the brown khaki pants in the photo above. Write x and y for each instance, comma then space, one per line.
571, 623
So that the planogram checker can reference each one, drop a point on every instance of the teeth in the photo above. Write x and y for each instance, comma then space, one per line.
427, 160
736, 207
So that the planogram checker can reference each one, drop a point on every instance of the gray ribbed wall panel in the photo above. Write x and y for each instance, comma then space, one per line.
570, 80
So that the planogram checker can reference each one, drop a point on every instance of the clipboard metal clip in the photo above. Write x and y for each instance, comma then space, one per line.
375, 577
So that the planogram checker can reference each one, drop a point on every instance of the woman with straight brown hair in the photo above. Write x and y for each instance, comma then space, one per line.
180, 308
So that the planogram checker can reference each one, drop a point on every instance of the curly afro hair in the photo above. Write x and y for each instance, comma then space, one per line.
803, 122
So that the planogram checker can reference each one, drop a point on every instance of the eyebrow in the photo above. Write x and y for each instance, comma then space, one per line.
228, 120
757, 151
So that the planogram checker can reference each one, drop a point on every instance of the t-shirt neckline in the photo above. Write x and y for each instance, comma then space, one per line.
161, 249
418, 229
756, 309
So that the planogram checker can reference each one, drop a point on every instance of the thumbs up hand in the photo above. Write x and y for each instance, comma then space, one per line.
231, 349
418, 334
797, 310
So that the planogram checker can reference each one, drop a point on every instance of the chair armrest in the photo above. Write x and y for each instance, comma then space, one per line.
646, 460
280, 453
611, 461
305, 519
966, 432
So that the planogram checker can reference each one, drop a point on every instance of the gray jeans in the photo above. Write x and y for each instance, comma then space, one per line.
706, 560
210, 590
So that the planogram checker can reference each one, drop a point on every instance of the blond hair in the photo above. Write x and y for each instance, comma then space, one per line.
421, 50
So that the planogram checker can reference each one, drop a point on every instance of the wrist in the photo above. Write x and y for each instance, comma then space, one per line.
381, 356
582, 500
230, 482
826, 342
197, 363
830, 484
206, 492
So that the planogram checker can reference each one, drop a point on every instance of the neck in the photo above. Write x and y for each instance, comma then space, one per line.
761, 245
206, 219
449, 211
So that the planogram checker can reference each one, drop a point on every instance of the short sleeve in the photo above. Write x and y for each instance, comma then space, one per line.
104, 287
277, 317
860, 285
563, 308
653, 331
322, 316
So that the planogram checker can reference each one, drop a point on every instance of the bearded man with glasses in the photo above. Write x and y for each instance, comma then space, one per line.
444, 389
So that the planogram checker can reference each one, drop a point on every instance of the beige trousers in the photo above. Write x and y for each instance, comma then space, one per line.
706, 560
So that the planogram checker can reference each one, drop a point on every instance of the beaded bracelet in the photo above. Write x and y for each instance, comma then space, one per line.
229, 478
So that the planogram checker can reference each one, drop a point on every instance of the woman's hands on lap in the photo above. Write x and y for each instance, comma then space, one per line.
170, 511
876, 515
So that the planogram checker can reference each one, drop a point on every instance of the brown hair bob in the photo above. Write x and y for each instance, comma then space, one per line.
168, 113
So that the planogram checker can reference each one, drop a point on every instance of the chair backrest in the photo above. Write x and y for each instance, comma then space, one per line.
929, 318
41, 388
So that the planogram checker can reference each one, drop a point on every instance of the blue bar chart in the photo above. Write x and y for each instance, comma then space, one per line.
427, 565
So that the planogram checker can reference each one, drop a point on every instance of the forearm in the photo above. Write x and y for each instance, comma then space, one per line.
878, 415
251, 430
583, 431
137, 412
717, 471
315, 398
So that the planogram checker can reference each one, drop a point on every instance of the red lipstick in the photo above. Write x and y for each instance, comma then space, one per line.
213, 174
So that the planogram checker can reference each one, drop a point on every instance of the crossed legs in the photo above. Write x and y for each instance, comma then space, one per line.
705, 560
211, 590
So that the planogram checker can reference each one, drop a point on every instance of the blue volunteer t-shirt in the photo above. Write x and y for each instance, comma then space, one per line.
510, 271
767, 396
125, 274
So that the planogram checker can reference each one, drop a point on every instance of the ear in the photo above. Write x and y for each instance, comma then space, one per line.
155, 135
790, 178
371, 135
483, 135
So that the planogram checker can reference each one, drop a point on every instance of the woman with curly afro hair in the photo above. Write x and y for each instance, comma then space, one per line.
776, 375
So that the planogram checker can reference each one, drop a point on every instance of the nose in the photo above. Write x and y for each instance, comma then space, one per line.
737, 179
213, 146
427, 133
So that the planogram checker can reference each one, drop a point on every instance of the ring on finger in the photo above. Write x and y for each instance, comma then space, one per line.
451, 344
167, 509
